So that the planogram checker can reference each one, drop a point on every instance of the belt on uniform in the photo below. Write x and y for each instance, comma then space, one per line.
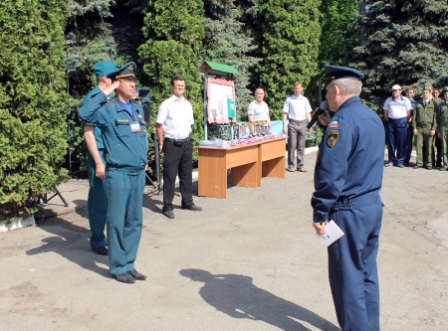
185, 140
350, 203
296, 121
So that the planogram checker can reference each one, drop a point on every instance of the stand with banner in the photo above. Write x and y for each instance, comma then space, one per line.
219, 100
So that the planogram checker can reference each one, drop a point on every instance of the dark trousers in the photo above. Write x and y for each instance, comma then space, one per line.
437, 152
177, 161
409, 137
96, 205
353, 269
296, 139
396, 140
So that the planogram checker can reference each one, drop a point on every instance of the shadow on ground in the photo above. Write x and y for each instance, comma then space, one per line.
238, 297
71, 242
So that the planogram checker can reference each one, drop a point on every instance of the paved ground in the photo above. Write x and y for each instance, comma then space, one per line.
250, 262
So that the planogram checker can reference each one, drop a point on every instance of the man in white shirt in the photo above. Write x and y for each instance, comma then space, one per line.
174, 121
297, 109
258, 110
397, 112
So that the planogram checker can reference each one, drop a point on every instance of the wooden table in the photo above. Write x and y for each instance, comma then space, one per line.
248, 163
271, 161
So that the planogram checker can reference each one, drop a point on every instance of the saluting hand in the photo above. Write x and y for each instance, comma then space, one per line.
108, 90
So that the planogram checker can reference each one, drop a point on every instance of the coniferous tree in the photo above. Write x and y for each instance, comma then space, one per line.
33, 106
339, 35
228, 41
174, 34
288, 35
96, 30
406, 45
89, 40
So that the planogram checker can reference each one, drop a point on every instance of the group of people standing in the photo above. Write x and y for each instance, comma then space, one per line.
425, 121
351, 151
296, 113
116, 137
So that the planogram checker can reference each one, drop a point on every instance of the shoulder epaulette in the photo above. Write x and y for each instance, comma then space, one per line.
110, 100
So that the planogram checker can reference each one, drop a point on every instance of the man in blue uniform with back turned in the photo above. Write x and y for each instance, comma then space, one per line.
96, 202
347, 181
125, 140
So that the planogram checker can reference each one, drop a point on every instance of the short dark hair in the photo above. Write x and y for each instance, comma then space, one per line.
177, 77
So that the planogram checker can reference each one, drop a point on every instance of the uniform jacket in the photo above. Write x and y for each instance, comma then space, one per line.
425, 115
351, 158
442, 118
96, 130
125, 150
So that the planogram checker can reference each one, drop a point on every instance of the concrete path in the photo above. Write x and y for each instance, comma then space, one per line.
250, 262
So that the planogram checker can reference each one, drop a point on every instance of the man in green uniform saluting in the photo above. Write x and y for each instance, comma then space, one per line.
125, 139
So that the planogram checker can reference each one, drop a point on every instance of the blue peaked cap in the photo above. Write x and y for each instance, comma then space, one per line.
126, 71
336, 72
104, 68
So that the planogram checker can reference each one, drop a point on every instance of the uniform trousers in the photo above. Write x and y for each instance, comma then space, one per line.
423, 147
396, 139
437, 151
177, 161
444, 141
352, 264
409, 137
296, 139
96, 204
124, 198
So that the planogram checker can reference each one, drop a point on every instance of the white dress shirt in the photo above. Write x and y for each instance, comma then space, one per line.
176, 116
297, 107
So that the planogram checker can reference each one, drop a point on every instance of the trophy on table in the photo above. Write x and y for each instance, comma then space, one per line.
256, 128
251, 129
263, 127
236, 131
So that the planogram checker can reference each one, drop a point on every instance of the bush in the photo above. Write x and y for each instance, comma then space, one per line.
33, 106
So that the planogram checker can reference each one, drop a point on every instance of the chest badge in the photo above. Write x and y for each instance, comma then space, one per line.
332, 138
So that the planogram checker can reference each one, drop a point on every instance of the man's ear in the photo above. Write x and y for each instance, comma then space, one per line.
337, 89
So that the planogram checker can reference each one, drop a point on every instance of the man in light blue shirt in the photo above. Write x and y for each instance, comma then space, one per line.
297, 110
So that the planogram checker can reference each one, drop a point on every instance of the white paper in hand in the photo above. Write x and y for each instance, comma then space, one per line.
332, 233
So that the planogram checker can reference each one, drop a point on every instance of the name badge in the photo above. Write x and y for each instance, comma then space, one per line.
135, 127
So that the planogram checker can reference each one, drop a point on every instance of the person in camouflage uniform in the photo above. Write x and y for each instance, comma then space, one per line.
424, 119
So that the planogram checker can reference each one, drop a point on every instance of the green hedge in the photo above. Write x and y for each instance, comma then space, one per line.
33, 102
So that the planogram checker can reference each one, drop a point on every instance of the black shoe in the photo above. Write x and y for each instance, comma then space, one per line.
101, 250
192, 207
429, 168
406, 163
125, 277
400, 166
137, 276
168, 213
416, 167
